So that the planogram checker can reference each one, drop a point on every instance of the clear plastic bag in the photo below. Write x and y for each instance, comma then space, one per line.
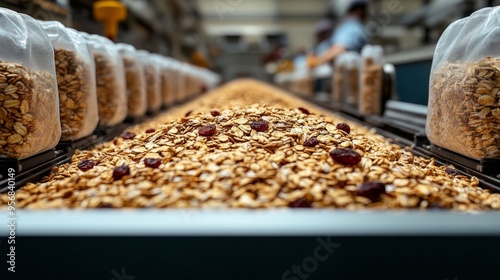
464, 92
353, 66
167, 80
370, 93
182, 82
193, 87
153, 82
110, 81
136, 82
75, 73
339, 78
29, 103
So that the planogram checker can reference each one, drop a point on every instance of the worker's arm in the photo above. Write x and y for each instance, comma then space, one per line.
331, 54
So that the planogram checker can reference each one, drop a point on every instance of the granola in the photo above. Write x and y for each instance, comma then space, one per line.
76, 95
464, 108
370, 96
112, 104
29, 116
136, 88
208, 160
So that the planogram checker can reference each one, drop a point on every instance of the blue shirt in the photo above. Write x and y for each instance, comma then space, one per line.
322, 47
350, 34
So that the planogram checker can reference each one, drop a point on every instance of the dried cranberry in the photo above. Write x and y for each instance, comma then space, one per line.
207, 130
188, 113
435, 206
215, 113
86, 164
105, 205
128, 135
150, 130
345, 127
372, 190
452, 171
311, 142
345, 156
300, 203
152, 162
304, 110
260, 125
121, 171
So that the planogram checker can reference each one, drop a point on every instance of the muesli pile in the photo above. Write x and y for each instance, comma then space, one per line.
221, 151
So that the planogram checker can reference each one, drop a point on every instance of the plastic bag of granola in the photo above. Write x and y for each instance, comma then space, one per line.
167, 79
197, 77
75, 73
464, 91
194, 81
190, 79
110, 81
29, 103
135, 79
339, 78
182, 81
370, 89
352, 71
153, 82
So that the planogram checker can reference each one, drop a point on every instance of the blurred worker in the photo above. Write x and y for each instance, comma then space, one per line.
350, 34
324, 29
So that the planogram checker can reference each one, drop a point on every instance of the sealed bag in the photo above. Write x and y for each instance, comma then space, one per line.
152, 76
110, 81
75, 73
29, 103
135, 80
193, 81
339, 78
167, 80
352, 72
182, 82
370, 93
464, 92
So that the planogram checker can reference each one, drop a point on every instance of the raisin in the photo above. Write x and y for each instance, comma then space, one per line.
372, 190
452, 171
345, 127
150, 130
207, 130
345, 156
300, 203
188, 113
435, 206
120, 172
128, 135
260, 125
105, 205
311, 142
152, 162
86, 164
215, 113
304, 110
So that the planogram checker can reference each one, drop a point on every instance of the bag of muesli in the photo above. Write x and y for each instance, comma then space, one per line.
75, 73
110, 81
370, 88
153, 81
168, 80
464, 91
338, 81
29, 103
352, 68
135, 80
